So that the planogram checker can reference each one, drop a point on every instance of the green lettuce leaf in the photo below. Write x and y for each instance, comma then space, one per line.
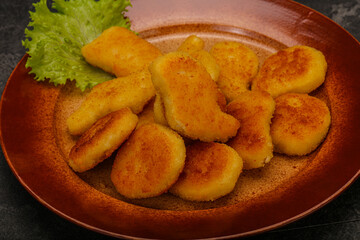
54, 38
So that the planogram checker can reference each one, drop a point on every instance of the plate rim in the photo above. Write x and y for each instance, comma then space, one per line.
43, 202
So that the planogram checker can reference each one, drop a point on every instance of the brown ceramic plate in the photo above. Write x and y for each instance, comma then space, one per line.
35, 141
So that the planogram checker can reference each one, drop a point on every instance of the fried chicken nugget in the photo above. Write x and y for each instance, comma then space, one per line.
195, 47
221, 100
133, 91
147, 114
149, 162
191, 44
238, 66
299, 69
159, 111
209, 63
300, 123
254, 110
102, 139
211, 171
120, 51
190, 98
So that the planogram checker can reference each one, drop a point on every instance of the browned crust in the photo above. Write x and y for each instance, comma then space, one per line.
95, 135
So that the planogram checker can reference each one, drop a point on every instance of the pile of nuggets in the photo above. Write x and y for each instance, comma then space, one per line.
188, 122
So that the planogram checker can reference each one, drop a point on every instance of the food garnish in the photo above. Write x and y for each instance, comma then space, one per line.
55, 36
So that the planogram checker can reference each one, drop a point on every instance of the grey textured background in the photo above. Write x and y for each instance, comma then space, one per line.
22, 217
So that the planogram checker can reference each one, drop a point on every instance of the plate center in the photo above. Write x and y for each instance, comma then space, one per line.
251, 185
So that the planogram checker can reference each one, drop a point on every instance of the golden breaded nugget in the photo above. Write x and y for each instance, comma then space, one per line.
190, 98
211, 171
298, 69
191, 44
159, 116
102, 139
238, 66
209, 63
149, 162
159, 111
221, 100
194, 46
254, 110
300, 123
147, 114
120, 51
133, 91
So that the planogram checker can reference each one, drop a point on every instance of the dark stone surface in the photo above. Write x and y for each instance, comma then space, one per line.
22, 217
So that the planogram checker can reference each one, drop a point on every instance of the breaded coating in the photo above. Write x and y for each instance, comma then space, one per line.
300, 123
211, 171
147, 114
254, 110
120, 51
194, 45
298, 69
149, 162
191, 44
238, 66
159, 111
159, 116
221, 100
102, 139
133, 91
209, 63
190, 98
